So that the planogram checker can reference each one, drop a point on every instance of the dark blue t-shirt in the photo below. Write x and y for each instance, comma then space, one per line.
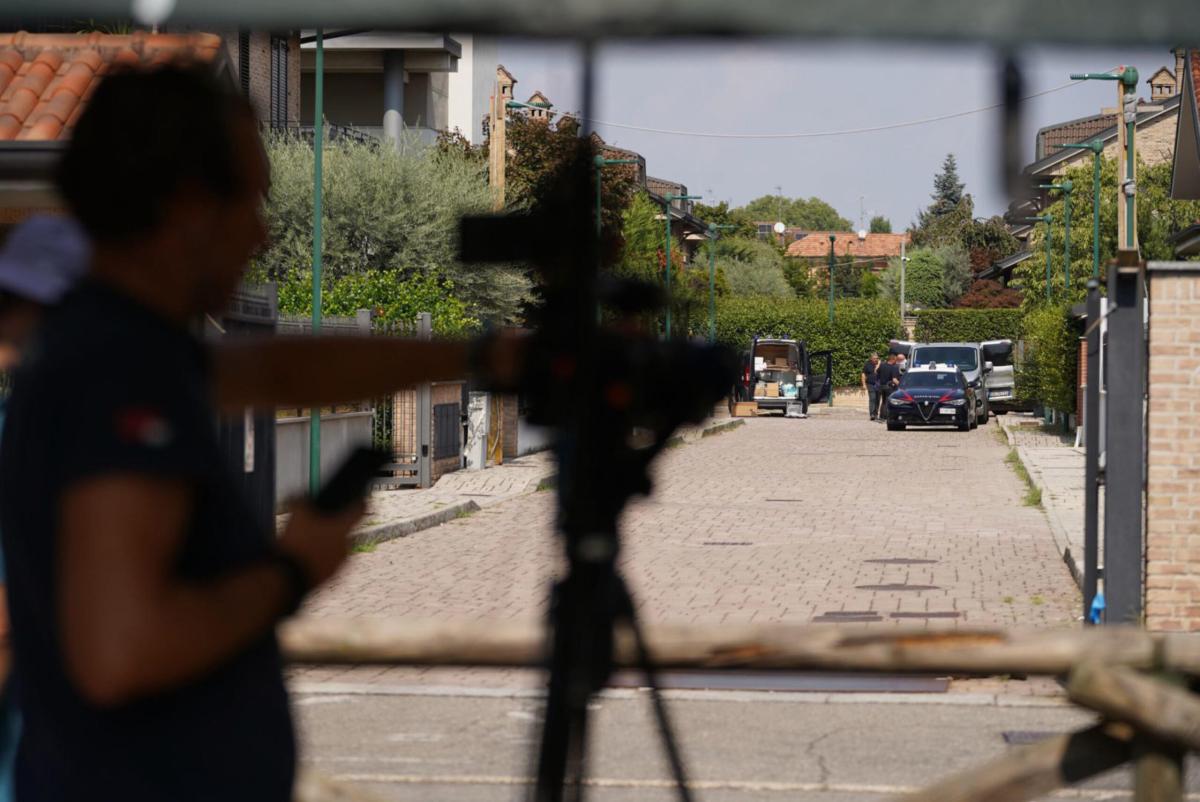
111, 387
869, 371
886, 374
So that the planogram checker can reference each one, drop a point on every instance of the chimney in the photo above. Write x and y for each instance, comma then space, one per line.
1180, 67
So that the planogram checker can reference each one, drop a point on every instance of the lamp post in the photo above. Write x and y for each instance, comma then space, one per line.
832, 240
1127, 124
668, 199
1065, 187
601, 163
1047, 219
314, 415
1097, 149
713, 228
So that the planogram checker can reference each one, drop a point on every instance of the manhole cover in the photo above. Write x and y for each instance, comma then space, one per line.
900, 561
789, 500
1023, 737
927, 615
898, 587
727, 543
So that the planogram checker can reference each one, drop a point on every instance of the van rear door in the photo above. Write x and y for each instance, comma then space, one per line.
820, 377
1000, 383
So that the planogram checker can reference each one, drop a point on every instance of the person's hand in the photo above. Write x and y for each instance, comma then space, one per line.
320, 541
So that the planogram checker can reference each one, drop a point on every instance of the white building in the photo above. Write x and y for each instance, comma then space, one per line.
392, 85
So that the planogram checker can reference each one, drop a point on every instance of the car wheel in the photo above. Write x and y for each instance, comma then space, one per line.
893, 426
965, 426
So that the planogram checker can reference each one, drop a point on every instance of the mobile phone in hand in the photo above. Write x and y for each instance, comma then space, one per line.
352, 480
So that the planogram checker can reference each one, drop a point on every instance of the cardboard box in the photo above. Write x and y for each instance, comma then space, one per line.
745, 409
772, 389
760, 389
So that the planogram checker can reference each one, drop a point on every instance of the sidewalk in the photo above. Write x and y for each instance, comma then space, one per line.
396, 513
1056, 467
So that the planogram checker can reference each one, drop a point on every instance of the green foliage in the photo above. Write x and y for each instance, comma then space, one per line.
813, 214
800, 277
967, 325
860, 327
390, 295
643, 237
935, 277
749, 266
722, 215
384, 211
1049, 371
880, 225
1159, 217
985, 241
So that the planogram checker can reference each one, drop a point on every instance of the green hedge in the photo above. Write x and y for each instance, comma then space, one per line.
860, 327
1049, 372
967, 325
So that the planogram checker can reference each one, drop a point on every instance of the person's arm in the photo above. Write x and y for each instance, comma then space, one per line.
314, 371
864, 378
128, 626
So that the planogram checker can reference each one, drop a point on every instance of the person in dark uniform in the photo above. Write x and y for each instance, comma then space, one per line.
143, 596
888, 377
870, 381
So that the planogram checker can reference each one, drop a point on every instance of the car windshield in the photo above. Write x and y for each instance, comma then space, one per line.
931, 379
960, 356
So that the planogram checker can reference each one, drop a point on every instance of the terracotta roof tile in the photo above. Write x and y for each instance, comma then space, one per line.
1195, 58
46, 79
875, 246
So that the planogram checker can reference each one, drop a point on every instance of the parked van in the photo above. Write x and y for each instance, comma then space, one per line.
778, 371
977, 361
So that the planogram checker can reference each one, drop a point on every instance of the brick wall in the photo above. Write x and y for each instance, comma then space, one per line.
260, 73
1173, 457
1154, 142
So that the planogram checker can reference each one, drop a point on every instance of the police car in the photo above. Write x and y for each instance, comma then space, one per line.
932, 395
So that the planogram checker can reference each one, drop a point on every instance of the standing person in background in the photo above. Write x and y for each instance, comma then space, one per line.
42, 258
902, 362
870, 380
889, 379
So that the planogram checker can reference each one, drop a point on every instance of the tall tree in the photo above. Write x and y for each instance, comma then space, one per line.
881, 225
947, 193
813, 214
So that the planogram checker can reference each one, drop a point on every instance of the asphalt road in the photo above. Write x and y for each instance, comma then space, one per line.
477, 745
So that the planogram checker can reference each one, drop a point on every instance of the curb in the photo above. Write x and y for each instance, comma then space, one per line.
408, 526
1057, 529
694, 434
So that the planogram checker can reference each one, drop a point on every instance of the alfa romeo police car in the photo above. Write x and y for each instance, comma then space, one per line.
932, 395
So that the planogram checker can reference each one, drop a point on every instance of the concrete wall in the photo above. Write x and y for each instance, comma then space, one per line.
1173, 450
340, 434
531, 439
472, 86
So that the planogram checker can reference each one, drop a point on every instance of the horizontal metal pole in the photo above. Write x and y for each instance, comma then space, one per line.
977, 652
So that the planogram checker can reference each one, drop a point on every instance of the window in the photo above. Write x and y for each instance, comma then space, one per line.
959, 356
939, 380
279, 81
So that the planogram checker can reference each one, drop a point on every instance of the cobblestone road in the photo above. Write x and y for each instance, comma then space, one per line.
778, 521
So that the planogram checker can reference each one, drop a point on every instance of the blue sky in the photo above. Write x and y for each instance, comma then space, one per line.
772, 87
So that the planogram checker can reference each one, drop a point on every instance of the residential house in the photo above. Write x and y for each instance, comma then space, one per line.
397, 85
1185, 171
689, 230
873, 250
1156, 125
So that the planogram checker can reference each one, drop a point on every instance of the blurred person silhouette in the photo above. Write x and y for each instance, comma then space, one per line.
143, 595
42, 257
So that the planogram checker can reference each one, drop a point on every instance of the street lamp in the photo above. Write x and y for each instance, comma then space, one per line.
668, 199
1128, 76
1097, 149
1065, 187
832, 240
713, 228
1047, 219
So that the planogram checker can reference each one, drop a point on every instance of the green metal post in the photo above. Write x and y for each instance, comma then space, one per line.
314, 420
1067, 187
1048, 220
713, 228
1128, 76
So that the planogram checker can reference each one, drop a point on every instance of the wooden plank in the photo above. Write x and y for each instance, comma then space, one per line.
1030, 772
982, 652
1155, 707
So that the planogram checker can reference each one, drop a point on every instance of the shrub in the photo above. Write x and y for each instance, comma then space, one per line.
967, 325
987, 294
860, 327
935, 276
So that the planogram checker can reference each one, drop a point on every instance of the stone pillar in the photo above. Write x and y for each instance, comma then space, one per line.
393, 95
1173, 449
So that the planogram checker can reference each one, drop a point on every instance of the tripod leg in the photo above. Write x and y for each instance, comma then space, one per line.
661, 716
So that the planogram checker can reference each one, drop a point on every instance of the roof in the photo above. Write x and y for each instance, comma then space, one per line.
538, 98
1168, 106
1004, 267
875, 246
1159, 72
46, 79
1052, 137
661, 186
500, 68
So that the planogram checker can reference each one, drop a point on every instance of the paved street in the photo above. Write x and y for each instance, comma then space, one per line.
741, 746
780, 520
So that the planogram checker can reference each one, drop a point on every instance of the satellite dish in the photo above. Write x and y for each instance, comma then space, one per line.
862, 234
780, 227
